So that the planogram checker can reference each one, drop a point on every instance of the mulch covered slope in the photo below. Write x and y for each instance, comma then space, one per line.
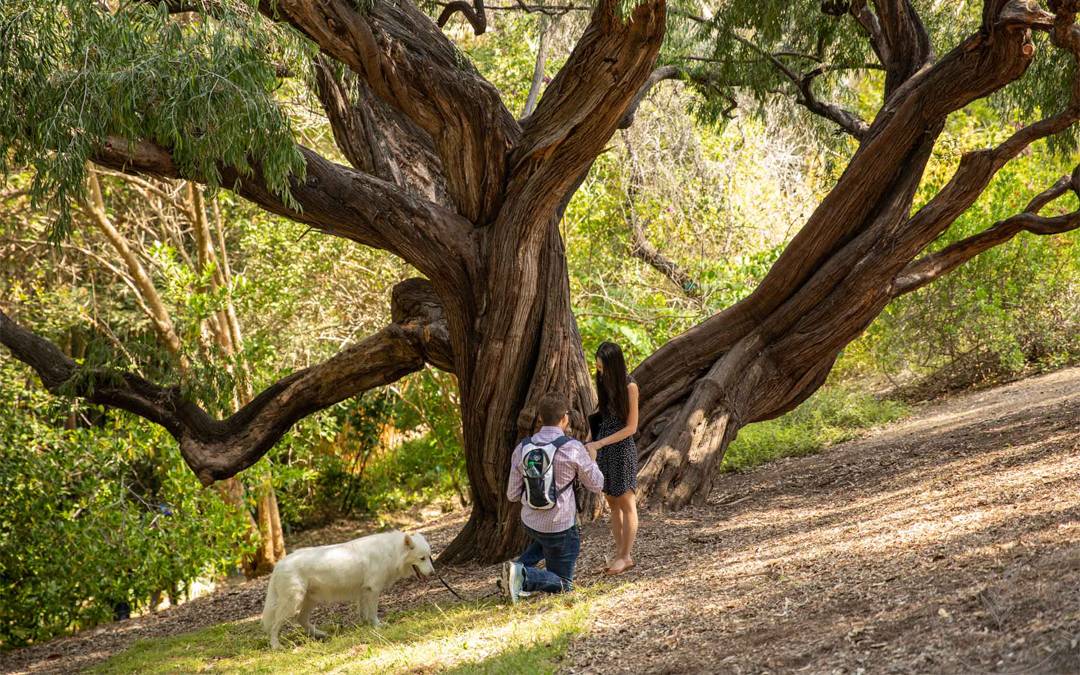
949, 542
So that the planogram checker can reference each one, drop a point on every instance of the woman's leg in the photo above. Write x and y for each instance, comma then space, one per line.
629, 524
615, 508
627, 505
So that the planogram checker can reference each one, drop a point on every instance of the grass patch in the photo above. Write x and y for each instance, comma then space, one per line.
477, 637
831, 415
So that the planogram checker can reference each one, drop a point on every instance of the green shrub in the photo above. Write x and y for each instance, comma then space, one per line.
832, 415
93, 517
337, 463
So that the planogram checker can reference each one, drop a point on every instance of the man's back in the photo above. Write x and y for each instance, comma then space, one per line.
571, 461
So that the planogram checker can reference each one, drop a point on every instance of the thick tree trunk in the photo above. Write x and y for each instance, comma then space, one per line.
526, 343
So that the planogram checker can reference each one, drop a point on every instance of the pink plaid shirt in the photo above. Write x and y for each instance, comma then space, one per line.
572, 461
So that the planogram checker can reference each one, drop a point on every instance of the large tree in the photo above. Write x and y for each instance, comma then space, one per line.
444, 176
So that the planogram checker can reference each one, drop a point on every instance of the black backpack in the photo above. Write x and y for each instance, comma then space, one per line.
538, 472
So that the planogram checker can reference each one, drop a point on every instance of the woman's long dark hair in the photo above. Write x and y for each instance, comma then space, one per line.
611, 384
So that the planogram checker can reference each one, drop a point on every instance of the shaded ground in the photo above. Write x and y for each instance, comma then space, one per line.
949, 542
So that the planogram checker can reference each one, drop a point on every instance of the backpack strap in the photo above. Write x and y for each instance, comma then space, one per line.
559, 443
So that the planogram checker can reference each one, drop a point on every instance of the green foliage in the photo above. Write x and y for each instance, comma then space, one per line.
724, 232
832, 415
91, 517
507, 59
470, 637
356, 472
73, 73
731, 57
720, 201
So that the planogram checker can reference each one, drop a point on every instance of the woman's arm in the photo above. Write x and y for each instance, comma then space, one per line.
631, 422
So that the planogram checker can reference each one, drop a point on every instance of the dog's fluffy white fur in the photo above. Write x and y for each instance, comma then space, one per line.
358, 570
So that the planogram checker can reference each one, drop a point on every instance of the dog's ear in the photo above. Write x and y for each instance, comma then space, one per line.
409, 542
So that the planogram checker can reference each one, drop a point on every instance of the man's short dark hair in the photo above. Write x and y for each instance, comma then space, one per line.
552, 408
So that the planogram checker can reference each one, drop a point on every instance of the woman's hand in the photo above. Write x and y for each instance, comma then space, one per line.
593, 447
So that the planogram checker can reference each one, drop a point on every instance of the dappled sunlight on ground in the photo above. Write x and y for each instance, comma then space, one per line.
483, 634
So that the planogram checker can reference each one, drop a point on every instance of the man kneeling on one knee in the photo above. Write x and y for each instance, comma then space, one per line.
542, 472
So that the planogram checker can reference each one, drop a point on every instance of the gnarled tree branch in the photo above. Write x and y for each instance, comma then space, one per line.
584, 103
219, 449
902, 42
874, 189
337, 200
376, 138
848, 121
978, 168
869, 22
928, 268
475, 14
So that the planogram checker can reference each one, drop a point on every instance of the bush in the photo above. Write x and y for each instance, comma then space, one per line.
832, 415
91, 518
340, 463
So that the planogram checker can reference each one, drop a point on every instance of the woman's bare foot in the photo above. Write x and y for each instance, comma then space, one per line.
618, 566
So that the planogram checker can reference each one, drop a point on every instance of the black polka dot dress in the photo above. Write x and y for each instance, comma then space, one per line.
618, 461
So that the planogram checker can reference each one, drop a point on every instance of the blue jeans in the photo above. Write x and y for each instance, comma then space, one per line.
560, 552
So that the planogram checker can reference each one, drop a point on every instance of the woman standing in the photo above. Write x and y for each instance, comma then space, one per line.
615, 424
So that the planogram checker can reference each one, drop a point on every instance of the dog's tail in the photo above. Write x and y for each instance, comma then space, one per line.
272, 600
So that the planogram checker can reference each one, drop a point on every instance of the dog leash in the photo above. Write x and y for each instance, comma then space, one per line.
448, 587
458, 595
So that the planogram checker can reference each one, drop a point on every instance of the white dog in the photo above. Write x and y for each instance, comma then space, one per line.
358, 570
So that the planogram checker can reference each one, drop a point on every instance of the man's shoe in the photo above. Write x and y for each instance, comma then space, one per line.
512, 577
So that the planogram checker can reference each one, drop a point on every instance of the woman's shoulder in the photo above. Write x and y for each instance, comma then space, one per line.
631, 382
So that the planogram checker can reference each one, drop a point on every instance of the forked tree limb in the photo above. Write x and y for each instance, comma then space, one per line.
582, 106
873, 188
848, 121
375, 137
407, 61
474, 14
869, 22
928, 268
906, 47
978, 168
219, 449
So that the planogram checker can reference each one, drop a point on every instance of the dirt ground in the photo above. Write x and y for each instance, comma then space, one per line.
946, 543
